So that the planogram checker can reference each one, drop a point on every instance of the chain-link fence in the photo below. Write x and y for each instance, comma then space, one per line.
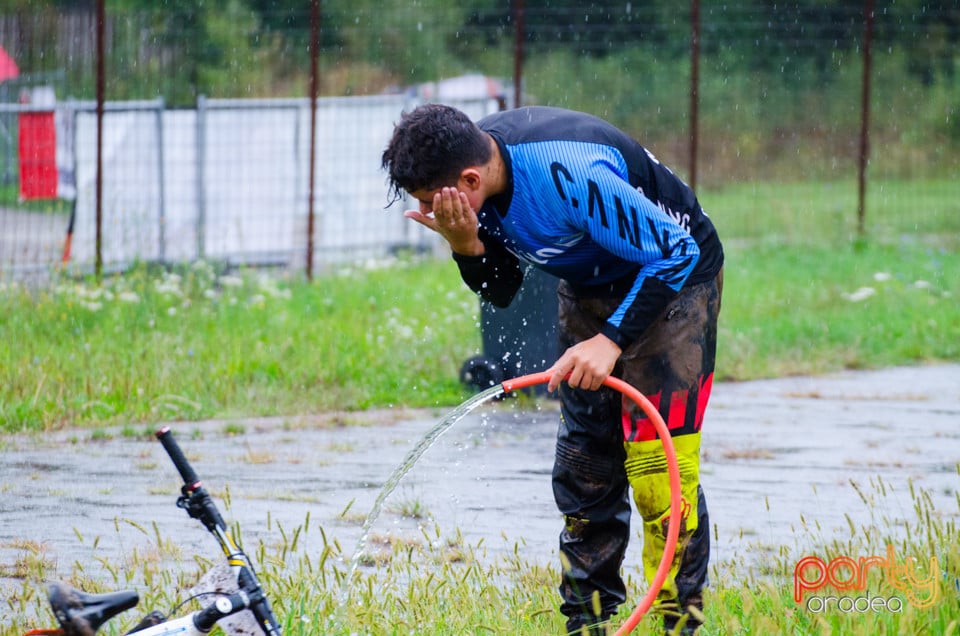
197, 138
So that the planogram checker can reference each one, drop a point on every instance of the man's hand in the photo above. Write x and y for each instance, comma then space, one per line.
454, 220
588, 363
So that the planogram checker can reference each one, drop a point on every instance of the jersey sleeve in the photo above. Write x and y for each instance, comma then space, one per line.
495, 275
621, 220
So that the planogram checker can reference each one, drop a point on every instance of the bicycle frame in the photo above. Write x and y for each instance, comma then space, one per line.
82, 614
200, 622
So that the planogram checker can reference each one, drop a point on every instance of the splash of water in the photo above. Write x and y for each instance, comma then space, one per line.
390, 485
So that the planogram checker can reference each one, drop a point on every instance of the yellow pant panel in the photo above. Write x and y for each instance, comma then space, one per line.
646, 467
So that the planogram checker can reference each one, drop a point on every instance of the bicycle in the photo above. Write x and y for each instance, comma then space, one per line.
82, 614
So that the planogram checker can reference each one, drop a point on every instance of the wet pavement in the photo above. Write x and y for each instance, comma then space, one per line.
775, 452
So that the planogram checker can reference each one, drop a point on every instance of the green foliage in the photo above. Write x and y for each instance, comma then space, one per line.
434, 583
757, 598
10, 197
148, 346
762, 127
198, 343
603, 87
816, 309
801, 299
779, 91
825, 213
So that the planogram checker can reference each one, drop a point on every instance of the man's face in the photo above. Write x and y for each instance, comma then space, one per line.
426, 197
425, 200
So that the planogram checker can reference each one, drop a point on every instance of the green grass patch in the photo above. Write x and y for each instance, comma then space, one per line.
809, 310
10, 197
825, 212
434, 583
148, 346
803, 294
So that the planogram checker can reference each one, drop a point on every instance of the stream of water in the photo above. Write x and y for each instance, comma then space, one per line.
393, 481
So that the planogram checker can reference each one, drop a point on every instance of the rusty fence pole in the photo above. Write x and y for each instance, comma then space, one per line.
694, 89
864, 120
98, 184
519, 36
314, 89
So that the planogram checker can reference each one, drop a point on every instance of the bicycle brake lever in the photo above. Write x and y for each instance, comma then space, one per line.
150, 620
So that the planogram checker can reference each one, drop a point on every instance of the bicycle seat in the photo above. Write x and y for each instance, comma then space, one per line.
82, 614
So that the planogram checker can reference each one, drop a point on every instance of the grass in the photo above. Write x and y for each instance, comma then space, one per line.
815, 310
435, 584
10, 197
805, 293
151, 346
197, 342
804, 212
922, 602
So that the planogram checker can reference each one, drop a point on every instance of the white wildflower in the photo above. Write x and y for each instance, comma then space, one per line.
861, 294
269, 287
128, 297
882, 277
230, 281
168, 287
922, 284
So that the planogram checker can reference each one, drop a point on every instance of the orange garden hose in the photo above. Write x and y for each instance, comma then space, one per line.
673, 533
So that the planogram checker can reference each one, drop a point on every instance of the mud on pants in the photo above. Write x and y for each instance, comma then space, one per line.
607, 449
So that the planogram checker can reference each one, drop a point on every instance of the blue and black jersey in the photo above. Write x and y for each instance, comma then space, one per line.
589, 204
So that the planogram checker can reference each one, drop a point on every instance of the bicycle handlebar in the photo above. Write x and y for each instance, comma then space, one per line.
195, 500
200, 505
224, 606
183, 466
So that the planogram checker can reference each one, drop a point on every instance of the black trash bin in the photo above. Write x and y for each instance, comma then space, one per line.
519, 339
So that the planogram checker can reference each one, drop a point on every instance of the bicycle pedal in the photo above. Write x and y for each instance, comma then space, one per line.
151, 619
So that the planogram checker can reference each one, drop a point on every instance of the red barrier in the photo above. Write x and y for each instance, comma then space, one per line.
38, 156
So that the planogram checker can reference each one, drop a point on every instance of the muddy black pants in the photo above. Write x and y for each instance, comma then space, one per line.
607, 447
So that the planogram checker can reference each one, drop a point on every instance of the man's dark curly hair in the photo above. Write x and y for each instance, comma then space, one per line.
430, 147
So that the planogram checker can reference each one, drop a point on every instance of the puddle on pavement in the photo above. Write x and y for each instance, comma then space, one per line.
774, 452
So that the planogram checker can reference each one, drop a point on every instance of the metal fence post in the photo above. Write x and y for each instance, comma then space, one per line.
694, 89
520, 35
201, 177
312, 163
864, 120
101, 83
162, 212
